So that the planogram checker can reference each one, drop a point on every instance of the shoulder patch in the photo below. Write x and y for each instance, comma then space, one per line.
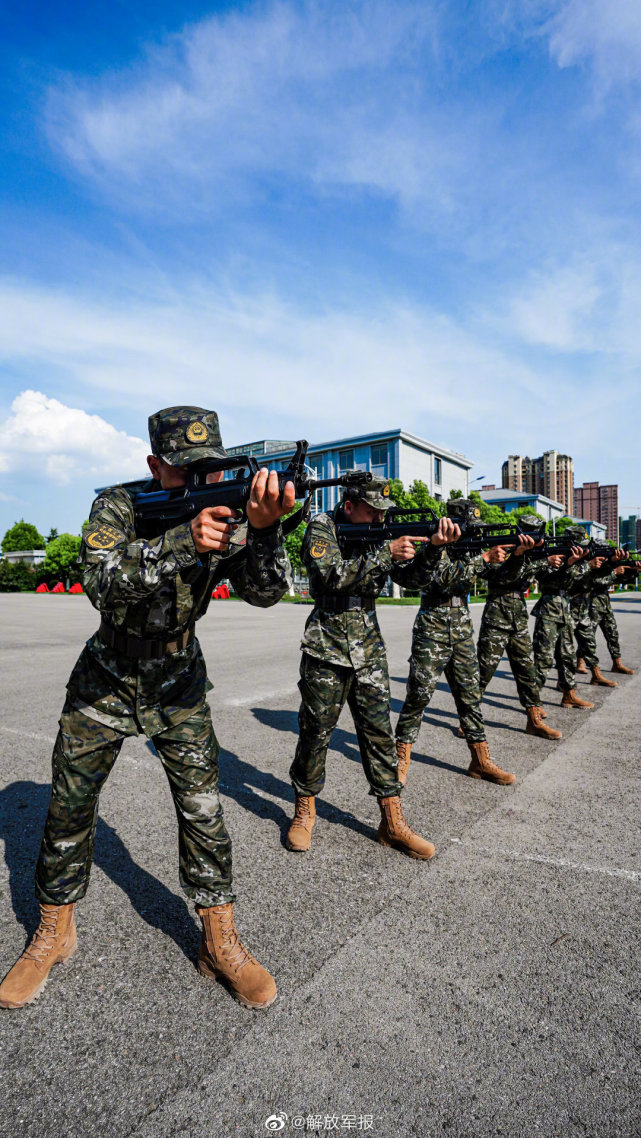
103, 537
319, 547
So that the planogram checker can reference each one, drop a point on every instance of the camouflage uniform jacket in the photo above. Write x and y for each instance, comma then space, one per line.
604, 581
557, 588
351, 639
155, 589
515, 576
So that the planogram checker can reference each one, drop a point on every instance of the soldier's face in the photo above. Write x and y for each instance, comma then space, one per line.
361, 513
170, 477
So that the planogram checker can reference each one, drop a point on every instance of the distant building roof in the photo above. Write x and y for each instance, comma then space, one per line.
287, 448
493, 497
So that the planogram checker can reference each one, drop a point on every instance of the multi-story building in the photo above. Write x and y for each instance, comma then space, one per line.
551, 475
394, 453
629, 529
601, 503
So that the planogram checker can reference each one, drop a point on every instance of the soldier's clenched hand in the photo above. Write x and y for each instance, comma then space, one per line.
264, 507
211, 530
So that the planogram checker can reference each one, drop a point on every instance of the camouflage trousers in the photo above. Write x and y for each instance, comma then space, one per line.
603, 617
508, 632
553, 642
442, 641
83, 755
584, 632
324, 689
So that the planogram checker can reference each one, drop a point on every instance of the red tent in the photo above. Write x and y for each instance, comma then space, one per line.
59, 588
43, 588
77, 588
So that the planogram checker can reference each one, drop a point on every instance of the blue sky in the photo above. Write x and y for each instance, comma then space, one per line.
317, 218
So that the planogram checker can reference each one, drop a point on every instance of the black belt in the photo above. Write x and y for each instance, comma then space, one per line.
451, 603
493, 596
336, 602
141, 649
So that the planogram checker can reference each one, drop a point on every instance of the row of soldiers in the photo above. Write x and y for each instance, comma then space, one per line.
143, 671
344, 655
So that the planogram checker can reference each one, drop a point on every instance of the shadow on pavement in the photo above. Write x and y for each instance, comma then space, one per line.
246, 784
23, 809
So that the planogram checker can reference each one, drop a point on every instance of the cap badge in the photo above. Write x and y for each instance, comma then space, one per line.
386, 490
196, 432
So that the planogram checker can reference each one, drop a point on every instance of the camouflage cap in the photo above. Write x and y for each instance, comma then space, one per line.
531, 523
375, 493
464, 510
182, 435
575, 534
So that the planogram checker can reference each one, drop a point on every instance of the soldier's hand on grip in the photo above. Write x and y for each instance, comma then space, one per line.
265, 507
404, 548
495, 555
526, 542
447, 532
211, 530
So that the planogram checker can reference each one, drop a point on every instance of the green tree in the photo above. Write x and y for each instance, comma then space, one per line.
61, 560
52, 535
18, 578
293, 544
417, 497
22, 535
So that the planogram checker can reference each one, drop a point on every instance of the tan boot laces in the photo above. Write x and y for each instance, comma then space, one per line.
43, 938
233, 948
399, 820
302, 808
487, 762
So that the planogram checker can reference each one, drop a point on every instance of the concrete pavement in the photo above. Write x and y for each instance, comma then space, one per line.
494, 990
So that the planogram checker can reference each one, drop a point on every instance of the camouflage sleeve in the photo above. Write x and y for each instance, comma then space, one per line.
417, 573
329, 572
265, 574
451, 574
119, 568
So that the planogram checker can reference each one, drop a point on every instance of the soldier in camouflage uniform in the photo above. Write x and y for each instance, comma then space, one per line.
442, 640
143, 671
344, 660
553, 630
602, 615
581, 594
504, 626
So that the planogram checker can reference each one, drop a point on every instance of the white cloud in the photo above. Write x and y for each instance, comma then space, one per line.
333, 94
608, 36
68, 441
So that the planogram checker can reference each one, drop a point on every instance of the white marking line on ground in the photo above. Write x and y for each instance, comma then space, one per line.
149, 764
259, 697
28, 735
627, 874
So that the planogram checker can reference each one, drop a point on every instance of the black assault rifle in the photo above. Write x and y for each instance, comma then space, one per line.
159, 510
475, 536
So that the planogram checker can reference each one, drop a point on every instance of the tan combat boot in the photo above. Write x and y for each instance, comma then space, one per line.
483, 766
580, 666
395, 831
299, 835
536, 726
617, 666
224, 957
54, 940
404, 751
599, 678
571, 699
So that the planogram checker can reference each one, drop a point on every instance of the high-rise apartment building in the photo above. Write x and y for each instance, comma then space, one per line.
552, 475
628, 529
601, 504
